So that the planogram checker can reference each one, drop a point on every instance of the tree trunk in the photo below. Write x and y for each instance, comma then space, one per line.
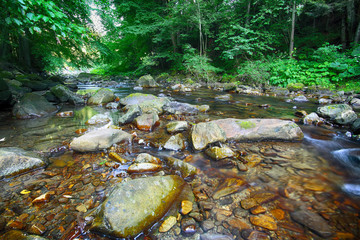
292, 36
201, 40
350, 10
4, 47
248, 14
357, 35
343, 33
24, 52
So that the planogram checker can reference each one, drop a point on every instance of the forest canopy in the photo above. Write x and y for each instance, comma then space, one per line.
265, 41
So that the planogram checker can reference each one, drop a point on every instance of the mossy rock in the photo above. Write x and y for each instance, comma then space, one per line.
293, 87
86, 92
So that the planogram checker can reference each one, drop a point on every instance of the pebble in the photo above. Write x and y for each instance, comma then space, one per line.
186, 207
207, 225
37, 229
257, 210
167, 224
264, 221
188, 226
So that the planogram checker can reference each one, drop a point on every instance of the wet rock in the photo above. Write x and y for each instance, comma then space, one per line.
177, 126
188, 226
355, 103
212, 236
143, 167
99, 139
340, 113
205, 133
99, 119
312, 118
33, 105
64, 94
281, 91
147, 81
137, 98
15, 161
5, 93
264, 221
356, 126
42, 198
133, 112
313, 221
229, 186
146, 122
300, 98
217, 153
37, 228
102, 96
175, 143
135, 205
147, 158
167, 224
294, 87
242, 167
278, 214
186, 169
112, 105
180, 108
325, 101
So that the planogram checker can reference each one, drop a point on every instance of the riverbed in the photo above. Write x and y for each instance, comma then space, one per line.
319, 174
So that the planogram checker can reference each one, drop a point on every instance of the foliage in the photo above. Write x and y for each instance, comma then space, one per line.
255, 71
198, 66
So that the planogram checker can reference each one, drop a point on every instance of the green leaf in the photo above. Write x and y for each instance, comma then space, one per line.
31, 30
37, 29
8, 20
45, 19
30, 16
17, 21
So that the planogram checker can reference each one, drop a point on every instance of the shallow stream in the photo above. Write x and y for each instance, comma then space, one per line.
320, 174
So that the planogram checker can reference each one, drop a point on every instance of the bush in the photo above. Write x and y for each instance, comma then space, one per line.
255, 72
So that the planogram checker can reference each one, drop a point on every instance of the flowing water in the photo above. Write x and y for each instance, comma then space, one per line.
321, 173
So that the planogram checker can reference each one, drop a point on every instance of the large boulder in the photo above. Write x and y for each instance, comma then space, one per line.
339, 113
175, 143
99, 139
244, 130
102, 96
33, 105
15, 161
65, 95
135, 205
148, 103
147, 81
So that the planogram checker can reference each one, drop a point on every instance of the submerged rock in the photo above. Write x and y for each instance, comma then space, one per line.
15, 161
99, 119
229, 186
313, 221
147, 158
99, 139
244, 130
186, 169
135, 205
33, 105
340, 113
102, 96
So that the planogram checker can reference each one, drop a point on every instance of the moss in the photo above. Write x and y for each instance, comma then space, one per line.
247, 124
295, 86
86, 91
